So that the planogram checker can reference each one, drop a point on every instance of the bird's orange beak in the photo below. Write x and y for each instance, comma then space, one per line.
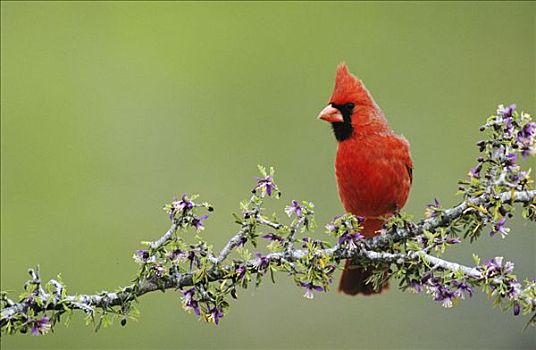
331, 114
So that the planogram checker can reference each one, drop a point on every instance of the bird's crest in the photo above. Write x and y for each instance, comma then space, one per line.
348, 88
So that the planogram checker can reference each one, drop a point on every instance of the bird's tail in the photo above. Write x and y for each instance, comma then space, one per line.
354, 278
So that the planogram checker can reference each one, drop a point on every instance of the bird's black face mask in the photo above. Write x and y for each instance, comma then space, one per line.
343, 130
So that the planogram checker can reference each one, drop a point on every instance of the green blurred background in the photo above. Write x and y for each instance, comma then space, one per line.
110, 109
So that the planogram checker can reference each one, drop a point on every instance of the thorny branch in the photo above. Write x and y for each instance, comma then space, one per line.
337, 252
449, 215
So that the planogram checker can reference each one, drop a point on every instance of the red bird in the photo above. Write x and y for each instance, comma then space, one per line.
373, 165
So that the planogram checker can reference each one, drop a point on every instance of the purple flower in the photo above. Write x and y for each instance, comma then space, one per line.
197, 222
41, 326
177, 254
142, 256
506, 112
431, 209
182, 206
511, 159
529, 129
508, 125
267, 184
428, 279
527, 151
350, 239
240, 271
443, 294
294, 208
516, 309
193, 259
499, 227
440, 292
525, 139
475, 172
453, 240
494, 264
463, 287
435, 204
415, 286
309, 287
495, 267
513, 289
185, 204
272, 237
332, 228
189, 302
215, 314
508, 267
422, 239
262, 263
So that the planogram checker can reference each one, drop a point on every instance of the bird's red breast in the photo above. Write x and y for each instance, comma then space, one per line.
373, 174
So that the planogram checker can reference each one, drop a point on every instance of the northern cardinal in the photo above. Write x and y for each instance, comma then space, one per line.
373, 166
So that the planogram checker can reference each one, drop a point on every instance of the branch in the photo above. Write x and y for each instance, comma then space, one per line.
129, 293
108, 299
449, 216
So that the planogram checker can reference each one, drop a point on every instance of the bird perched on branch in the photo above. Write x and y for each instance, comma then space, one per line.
373, 166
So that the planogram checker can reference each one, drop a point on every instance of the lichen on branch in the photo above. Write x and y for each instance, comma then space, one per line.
205, 280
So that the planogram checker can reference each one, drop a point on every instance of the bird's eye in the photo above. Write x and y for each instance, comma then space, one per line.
349, 106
